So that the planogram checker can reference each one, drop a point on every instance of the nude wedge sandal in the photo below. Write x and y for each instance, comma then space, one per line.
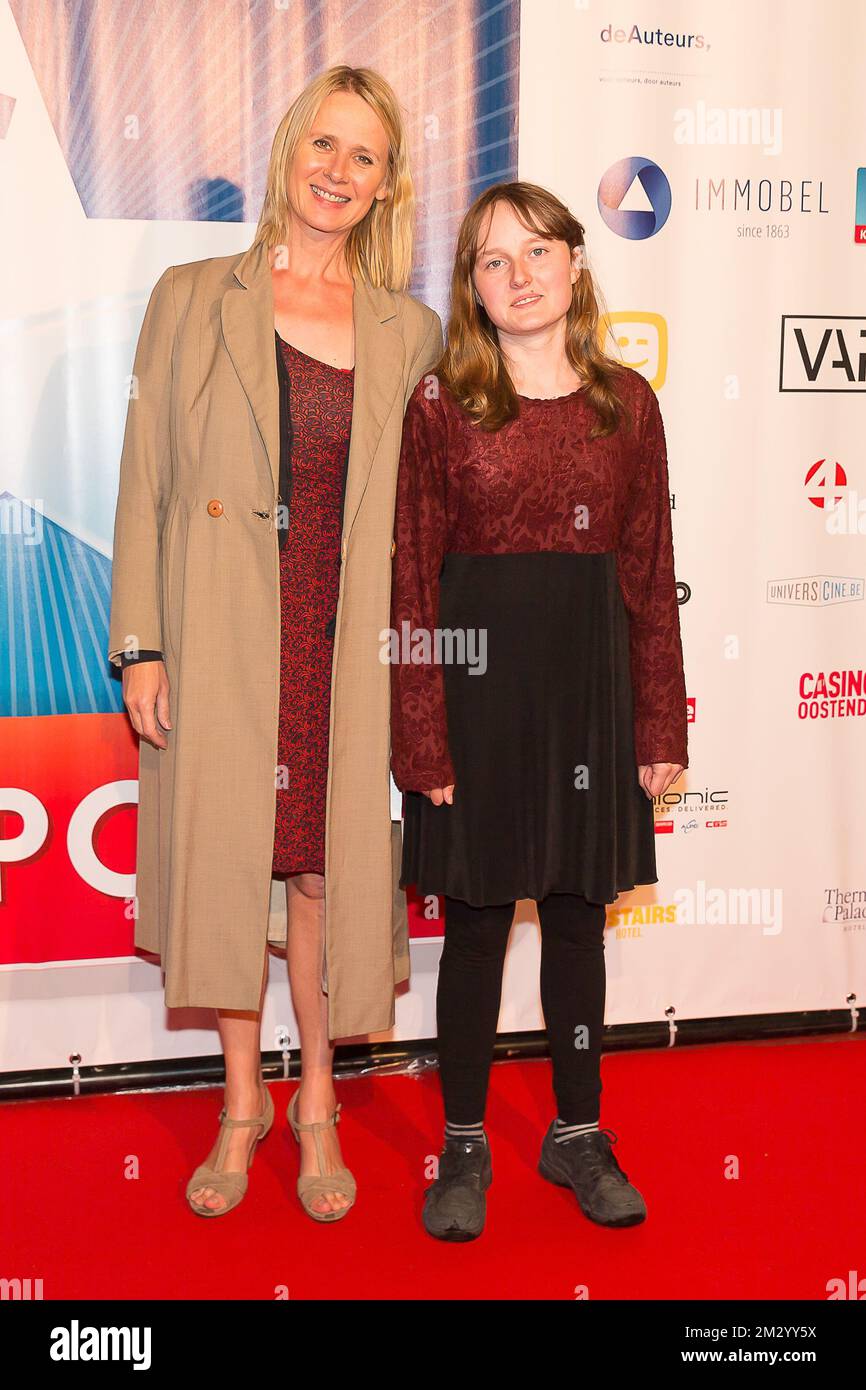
316, 1185
230, 1185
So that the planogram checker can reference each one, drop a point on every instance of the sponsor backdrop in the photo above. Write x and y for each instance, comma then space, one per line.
712, 154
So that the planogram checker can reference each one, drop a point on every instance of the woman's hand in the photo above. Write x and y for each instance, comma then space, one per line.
145, 694
655, 778
440, 794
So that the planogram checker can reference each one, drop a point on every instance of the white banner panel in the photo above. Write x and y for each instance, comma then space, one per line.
713, 154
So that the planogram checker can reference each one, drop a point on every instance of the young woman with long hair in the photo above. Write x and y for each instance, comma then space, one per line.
532, 521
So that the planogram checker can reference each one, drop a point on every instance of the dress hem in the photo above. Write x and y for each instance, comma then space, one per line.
517, 896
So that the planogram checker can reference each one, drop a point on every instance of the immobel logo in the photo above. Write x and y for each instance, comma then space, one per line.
634, 198
823, 352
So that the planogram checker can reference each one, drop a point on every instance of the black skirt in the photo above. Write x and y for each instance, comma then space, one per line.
546, 798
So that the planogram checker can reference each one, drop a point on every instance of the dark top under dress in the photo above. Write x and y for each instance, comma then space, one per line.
320, 422
550, 556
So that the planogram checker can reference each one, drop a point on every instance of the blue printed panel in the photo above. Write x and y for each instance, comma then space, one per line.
55, 596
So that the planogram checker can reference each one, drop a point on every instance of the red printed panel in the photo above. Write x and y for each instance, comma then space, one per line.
426, 916
68, 808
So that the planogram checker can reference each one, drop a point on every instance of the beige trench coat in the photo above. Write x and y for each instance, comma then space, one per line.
196, 576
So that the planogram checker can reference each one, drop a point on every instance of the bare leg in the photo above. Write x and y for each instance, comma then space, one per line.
240, 1035
305, 902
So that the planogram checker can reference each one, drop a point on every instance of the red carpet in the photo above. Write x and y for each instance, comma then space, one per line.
791, 1113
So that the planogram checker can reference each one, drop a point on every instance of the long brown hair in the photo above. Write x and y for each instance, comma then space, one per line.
380, 246
472, 365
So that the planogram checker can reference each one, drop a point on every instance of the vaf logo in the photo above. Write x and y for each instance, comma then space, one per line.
634, 198
823, 352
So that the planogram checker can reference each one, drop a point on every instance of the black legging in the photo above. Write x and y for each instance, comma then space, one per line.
572, 997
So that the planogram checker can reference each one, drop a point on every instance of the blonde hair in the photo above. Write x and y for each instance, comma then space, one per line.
379, 248
472, 365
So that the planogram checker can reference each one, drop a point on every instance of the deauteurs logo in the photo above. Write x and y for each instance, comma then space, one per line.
652, 38
634, 198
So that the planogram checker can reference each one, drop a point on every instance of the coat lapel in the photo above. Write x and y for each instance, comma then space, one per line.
247, 317
379, 359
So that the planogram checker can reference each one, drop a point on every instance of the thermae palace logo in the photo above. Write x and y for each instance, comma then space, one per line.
634, 198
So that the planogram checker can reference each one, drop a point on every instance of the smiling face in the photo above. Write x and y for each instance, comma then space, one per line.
340, 166
523, 279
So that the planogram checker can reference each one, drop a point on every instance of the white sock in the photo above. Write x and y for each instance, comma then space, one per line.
464, 1133
563, 1132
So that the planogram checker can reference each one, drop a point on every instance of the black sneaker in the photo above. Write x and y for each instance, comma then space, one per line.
454, 1207
587, 1165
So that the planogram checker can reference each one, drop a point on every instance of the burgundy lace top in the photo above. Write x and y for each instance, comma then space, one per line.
538, 484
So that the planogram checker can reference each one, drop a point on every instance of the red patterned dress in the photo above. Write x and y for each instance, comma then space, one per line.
319, 424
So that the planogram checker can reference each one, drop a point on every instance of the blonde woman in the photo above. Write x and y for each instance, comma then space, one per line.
533, 520
253, 543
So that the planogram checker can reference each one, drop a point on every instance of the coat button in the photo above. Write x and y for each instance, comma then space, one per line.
215, 507
393, 549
